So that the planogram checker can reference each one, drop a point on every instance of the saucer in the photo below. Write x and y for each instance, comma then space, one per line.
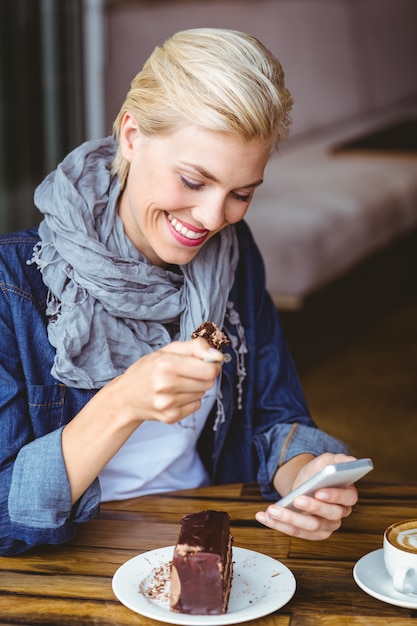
371, 576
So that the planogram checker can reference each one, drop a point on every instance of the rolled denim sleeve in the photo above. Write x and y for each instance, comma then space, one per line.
35, 500
282, 442
40, 506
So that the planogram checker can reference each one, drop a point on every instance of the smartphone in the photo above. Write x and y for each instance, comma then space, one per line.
337, 475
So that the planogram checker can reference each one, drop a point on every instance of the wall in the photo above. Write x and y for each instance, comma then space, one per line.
331, 50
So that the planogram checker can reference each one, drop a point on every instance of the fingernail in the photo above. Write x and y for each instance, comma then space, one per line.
275, 513
301, 503
261, 517
213, 356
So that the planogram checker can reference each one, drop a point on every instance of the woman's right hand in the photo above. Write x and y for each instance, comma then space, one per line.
167, 385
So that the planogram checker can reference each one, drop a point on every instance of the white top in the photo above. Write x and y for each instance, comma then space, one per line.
158, 457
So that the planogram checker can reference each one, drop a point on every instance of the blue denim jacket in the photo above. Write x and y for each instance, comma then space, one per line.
266, 423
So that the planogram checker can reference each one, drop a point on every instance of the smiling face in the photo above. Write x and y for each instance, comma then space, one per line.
184, 187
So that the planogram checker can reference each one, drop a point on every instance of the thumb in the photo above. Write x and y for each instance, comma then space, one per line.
198, 348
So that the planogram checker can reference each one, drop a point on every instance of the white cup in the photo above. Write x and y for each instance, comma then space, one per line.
400, 555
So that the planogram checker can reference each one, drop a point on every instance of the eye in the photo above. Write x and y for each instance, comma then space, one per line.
190, 185
242, 198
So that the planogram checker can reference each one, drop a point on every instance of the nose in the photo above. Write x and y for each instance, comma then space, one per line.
210, 211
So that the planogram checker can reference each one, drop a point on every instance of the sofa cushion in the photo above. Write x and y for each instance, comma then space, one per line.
315, 218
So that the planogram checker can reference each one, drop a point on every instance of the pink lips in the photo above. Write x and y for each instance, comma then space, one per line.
181, 237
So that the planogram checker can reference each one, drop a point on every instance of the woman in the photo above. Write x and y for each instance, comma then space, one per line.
103, 394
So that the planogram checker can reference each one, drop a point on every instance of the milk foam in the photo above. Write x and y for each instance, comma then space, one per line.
408, 538
404, 535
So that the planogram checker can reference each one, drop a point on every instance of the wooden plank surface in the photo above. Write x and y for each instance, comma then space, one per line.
71, 585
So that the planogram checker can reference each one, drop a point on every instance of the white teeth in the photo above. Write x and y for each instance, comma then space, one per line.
183, 230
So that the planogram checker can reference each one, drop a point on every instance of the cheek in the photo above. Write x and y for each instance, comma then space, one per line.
173, 195
235, 214
158, 193
171, 198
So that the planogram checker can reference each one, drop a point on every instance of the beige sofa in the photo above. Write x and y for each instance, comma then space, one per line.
351, 67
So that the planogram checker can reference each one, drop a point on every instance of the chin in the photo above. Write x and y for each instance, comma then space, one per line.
180, 259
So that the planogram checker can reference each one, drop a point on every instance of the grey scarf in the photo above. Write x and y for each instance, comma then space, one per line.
107, 305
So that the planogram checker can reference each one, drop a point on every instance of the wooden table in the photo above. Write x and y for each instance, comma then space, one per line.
70, 585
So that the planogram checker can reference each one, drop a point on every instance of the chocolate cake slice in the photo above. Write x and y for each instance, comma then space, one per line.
211, 333
202, 566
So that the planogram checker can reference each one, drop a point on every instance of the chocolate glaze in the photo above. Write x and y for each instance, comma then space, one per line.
201, 571
207, 531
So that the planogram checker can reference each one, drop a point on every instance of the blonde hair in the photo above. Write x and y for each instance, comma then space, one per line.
217, 79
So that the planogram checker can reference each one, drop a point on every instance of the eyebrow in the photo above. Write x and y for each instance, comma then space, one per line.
209, 176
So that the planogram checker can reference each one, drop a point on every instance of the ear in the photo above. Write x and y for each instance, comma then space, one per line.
129, 132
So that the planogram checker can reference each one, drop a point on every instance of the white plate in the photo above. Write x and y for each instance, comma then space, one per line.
371, 576
260, 586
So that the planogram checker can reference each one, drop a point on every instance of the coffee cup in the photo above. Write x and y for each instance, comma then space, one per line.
400, 555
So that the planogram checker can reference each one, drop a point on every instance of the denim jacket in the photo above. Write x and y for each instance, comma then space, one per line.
266, 421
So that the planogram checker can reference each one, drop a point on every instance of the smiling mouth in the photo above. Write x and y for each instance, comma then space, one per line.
185, 231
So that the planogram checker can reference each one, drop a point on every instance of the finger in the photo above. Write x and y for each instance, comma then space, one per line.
172, 372
347, 496
331, 504
312, 506
198, 348
317, 464
328, 458
309, 507
299, 524
175, 414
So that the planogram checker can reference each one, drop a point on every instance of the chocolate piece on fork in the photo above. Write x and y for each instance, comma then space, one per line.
211, 333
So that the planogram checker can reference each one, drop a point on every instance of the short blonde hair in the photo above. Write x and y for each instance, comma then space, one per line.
217, 79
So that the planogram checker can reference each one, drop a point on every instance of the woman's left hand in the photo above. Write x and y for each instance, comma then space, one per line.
316, 517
